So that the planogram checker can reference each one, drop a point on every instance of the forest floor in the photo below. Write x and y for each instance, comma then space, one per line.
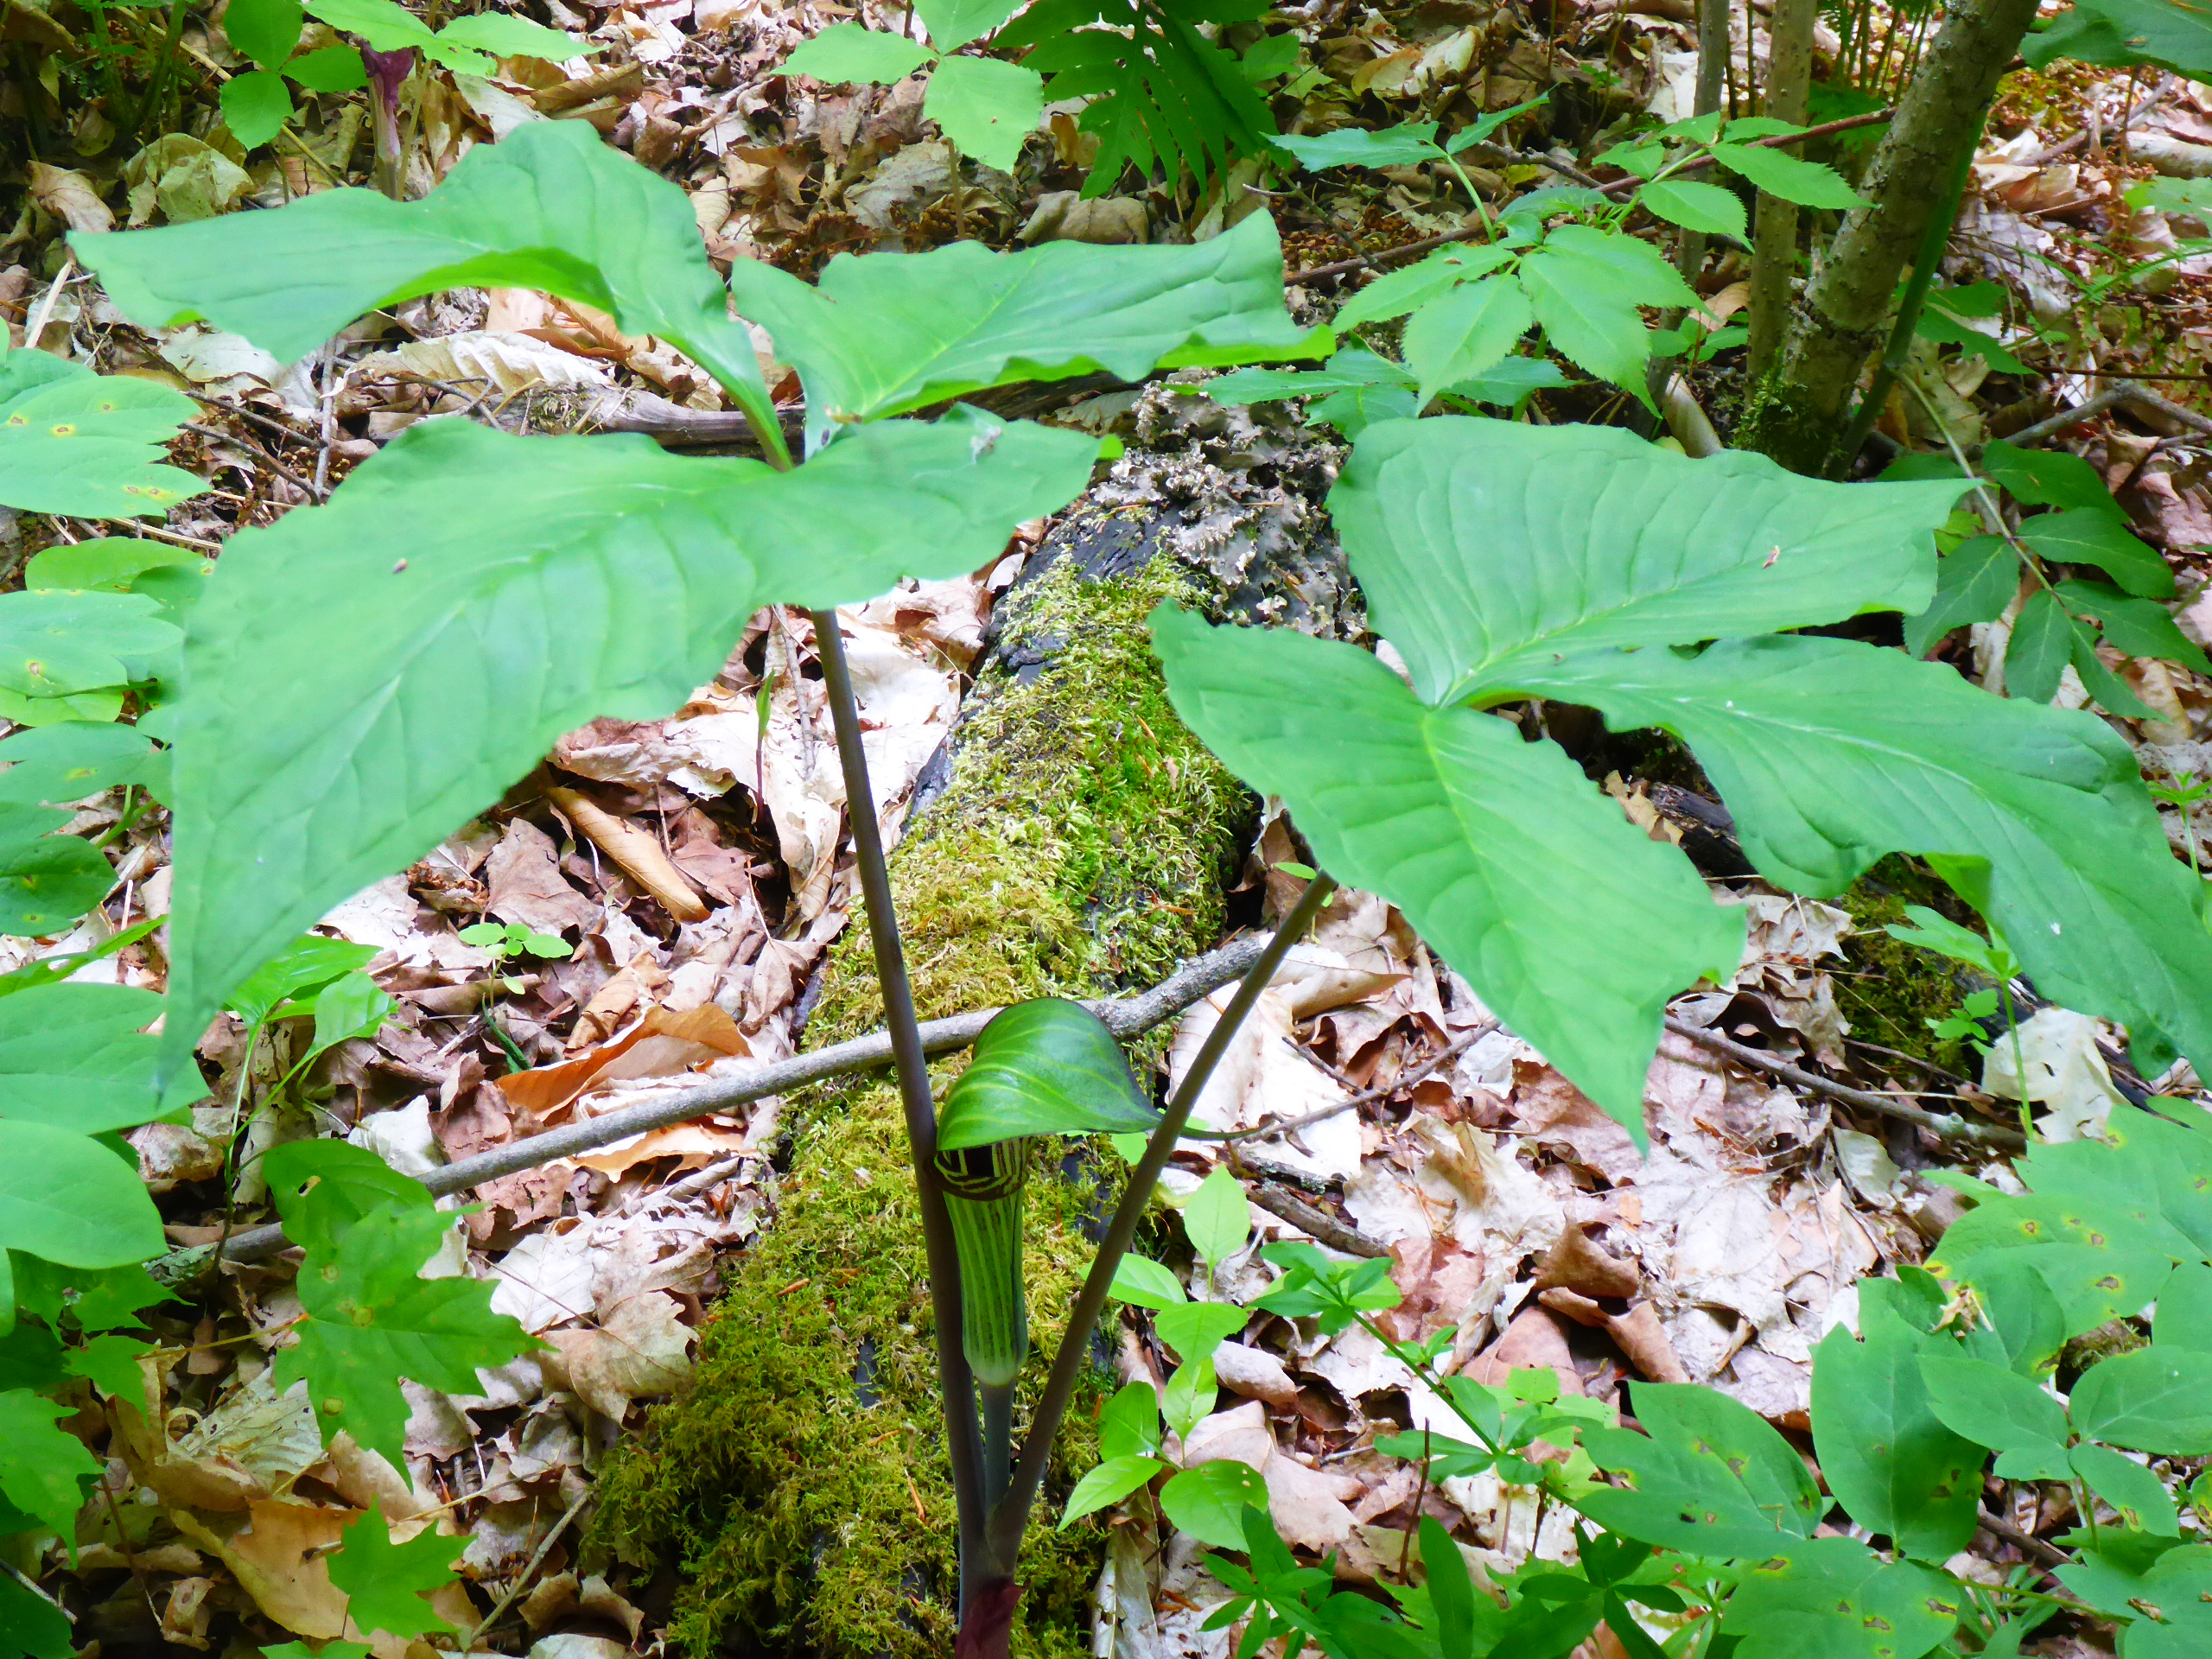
698, 870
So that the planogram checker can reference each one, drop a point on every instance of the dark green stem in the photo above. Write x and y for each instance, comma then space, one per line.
998, 1439
955, 1380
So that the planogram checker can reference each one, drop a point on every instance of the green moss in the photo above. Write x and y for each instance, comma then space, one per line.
1783, 420
802, 1482
1892, 989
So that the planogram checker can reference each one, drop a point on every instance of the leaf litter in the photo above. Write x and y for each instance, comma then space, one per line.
1511, 1210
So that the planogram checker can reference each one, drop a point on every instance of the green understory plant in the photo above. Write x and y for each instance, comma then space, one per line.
366, 675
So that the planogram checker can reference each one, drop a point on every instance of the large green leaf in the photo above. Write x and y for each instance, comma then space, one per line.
2118, 33
47, 879
1587, 286
42, 1466
854, 52
73, 1056
1569, 923
1709, 1475
1488, 548
987, 108
1835, 1599
67, 1198
1831, 753
1885, 1453
87, 444
550, 208
385, 1582
1042, 1067
2155, 1399
889, 332
363, 676
1462, 334
2001, 1409
952, 23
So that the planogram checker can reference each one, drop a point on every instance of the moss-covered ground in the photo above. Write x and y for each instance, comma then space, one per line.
802, 1484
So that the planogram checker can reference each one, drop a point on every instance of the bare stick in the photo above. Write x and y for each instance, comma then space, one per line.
1955, 1129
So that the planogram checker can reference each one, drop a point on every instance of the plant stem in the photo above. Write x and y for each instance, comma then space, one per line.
1011, 1518
963, 1433
1774, 250
1936, 237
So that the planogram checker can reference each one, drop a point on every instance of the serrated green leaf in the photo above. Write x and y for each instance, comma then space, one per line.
370, 1320
952, 23
31, 1358
987, 108
2141, 1498
90, 445
1143, 1282
256, 105
1573, 926
1894, 1466
889, 332
72, 1057
377, 669
1399, 146
1395, 293
69, 1199
2076, 537
2040, 646
1998, 1409
2141, 627
1478, 565
1217, 1217
2049, 478
323, 1188
852, 52
1042, 1067
385, 1583
110, 1364
1835, 1598
92, 1298
1108, 1484
1347, 370
2153, 1399
1695, 206
1973, 583
43, 1468
1830, 753
548, 207
1209, 1502
1710, 1476
1587, 318
1791, 177
1465, 332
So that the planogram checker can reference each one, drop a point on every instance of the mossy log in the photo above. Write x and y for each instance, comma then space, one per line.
1077, 839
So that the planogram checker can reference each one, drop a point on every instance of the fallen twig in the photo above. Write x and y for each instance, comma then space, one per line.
1955, 1129
1285, 1204
2130, 393
1124, 1017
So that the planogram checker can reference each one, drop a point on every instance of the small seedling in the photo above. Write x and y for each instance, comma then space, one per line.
508, 940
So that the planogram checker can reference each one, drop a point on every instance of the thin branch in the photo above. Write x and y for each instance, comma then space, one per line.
1011, 1518
2118, 393
1274, 1129
1955, 1129
1123, 1016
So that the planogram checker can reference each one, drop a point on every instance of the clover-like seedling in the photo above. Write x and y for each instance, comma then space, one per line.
508, 940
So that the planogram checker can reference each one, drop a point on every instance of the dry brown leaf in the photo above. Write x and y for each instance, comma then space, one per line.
277, 1559
643, 1348
70, 197
524, 873
662, 1045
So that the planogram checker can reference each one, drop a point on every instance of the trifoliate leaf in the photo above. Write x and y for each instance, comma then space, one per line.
986, 107
852, 52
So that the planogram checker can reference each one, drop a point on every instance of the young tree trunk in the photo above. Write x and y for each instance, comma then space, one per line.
1795, 413
1072, 839
1774, 247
